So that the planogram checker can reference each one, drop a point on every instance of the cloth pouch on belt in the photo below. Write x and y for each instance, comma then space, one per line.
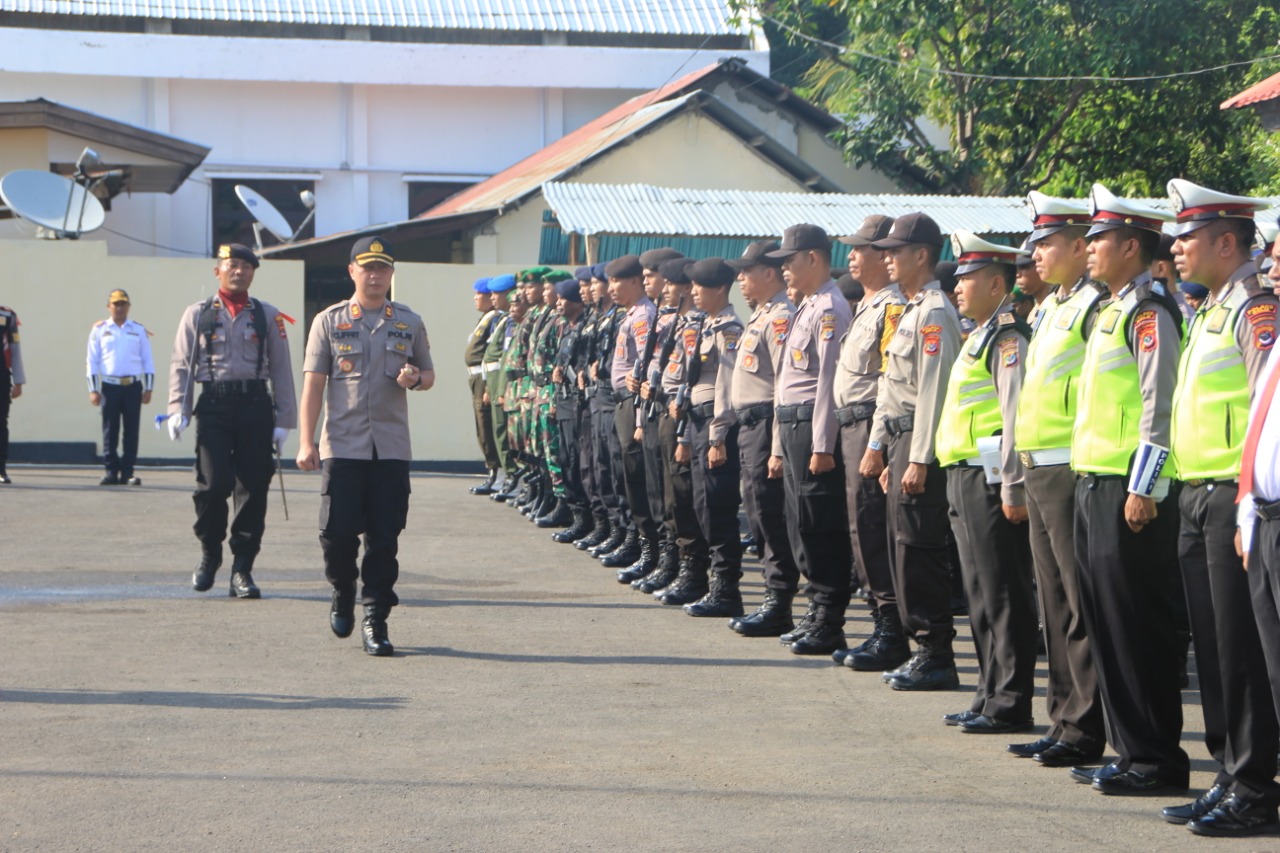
989, 453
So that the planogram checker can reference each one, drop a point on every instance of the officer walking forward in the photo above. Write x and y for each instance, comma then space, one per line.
121, 375
12, 378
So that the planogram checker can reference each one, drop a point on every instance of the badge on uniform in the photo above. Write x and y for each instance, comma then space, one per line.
401, 348
345, 348
748, 362
344, 326
345, 365
1218, 321
931, 339
1262, 322
731, 337
827, 325
780, 327
1144, 329
640, 329
355, 310
387, 312
402, 326
1066, 318
1009, 351
690, 340
280, 325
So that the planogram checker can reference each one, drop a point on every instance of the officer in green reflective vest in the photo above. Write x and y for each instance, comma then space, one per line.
1230, 340
984, 487
1126, 505
1046, 418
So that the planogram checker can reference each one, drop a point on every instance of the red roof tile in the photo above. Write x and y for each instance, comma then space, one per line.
1258, 92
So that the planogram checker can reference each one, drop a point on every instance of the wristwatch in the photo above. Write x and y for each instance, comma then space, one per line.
717, 442
416, 382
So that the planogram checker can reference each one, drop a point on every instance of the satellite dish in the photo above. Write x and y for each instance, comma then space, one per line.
53, 202
266, 216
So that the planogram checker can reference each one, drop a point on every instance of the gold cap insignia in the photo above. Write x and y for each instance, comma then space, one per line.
375, 246
224, 251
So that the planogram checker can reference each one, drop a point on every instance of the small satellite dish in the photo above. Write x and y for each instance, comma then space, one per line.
266, 216
53, 202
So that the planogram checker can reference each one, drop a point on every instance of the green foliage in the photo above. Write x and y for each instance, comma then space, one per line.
1004, 137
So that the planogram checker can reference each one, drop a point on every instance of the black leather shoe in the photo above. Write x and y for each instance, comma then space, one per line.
133, 481
210, 562
486, 488
242, 586
959, 717
1131, 783
109, 480
4, 478
1027, 750
1237, 818
1066, 755
1087, 775
374, 631
821, 639
342, 611
984, 725
1198, 808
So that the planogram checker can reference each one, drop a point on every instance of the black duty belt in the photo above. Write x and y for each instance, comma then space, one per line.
794, 414
232, 387
899, 425
1267, 510
1211, 482
605, 393
752, 415
702, 411
854, 412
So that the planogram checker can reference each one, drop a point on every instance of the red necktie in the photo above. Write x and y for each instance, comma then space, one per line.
1255, 434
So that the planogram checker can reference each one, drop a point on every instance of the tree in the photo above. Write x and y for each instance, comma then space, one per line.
1005, 136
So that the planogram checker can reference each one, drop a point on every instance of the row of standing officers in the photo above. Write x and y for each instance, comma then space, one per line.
1090, 458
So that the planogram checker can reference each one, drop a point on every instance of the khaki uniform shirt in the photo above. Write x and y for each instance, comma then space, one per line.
917, 366
717, 352
478, 341
234, 357
760, 354
637, 325
809, 367
862, 350
365, 409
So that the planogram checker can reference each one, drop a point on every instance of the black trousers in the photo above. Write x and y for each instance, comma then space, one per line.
1264, 588
716, 497
568, 419
764, 501
919, 540
1123, 578
654, 471
817, 523
370, 497
233, 457
121, 404
677, 490
995, 561
609, 459
586, 456
1071, 692
1240, 729
6, 388
633, 473
484, 422
868, 517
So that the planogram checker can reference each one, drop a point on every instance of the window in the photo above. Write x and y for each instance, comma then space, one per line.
232, 222
424, 195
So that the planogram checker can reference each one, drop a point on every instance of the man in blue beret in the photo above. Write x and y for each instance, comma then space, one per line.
500, 288
473, 358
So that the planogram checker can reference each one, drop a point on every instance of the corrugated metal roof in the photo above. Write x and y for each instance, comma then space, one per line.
664, 17
644, 209
1257, 93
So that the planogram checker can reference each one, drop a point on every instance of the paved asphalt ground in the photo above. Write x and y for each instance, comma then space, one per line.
533, 704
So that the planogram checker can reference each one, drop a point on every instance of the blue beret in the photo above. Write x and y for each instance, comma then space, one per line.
1195, 291
481, 285
582, 274
502, 283
598, 272
569, 289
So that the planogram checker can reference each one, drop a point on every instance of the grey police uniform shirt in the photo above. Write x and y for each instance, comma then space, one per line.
808, 369
862, 350
673, 370
637, 325
234, 357
917, 366
362, 354
119, 351
717, 352
1255, 328
760, 353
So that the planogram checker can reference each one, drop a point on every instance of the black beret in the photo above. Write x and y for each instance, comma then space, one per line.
627, 266
582, 274
676, 270
238, 251
851, 287
569, 289
652, 259
597, 271
712, 272
945, 273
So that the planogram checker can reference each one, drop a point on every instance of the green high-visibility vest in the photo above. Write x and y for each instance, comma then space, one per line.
1055, 356
1211, 401
971, 406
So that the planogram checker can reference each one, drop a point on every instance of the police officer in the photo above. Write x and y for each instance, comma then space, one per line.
1042, 434
12, 378
974, 444
603, 414
500, 288
363, 354
751, 393
1229, 343
584, 453
229, 345
1126, 506
473, 358
567, 407
806, 440
121, 376
857, 379
918, 363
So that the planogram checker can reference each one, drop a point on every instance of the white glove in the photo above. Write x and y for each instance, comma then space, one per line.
177, 423
279, 436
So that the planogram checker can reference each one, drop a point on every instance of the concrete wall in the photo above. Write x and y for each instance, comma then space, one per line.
59, 290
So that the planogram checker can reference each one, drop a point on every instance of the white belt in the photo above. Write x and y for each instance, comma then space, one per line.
121, 380
475, 371
490, 366
1045, 458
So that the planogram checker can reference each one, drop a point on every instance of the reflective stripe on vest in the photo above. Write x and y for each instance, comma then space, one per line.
971, 408
1055, 356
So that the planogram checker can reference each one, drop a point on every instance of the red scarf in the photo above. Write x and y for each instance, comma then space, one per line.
233, 302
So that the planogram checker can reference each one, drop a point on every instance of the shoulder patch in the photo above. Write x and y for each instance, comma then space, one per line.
827, 325
931, 340
1009, 351
780, 325
732, 334
1262, 325
280, 325
1144, 330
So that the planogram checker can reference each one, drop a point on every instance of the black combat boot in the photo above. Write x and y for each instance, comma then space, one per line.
581, 527
723, 598
242, 585
625, 554
824, 636
486, 488
772, 619
374, 629
558, 516
690, 585
597, 534
842, 656
342, 610
934, 669
802, 627
510, 488
644, 564
617, 534
531, 491
887, 648
668, 566
210, 562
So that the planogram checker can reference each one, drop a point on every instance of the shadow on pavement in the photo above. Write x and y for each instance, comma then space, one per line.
189, 699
